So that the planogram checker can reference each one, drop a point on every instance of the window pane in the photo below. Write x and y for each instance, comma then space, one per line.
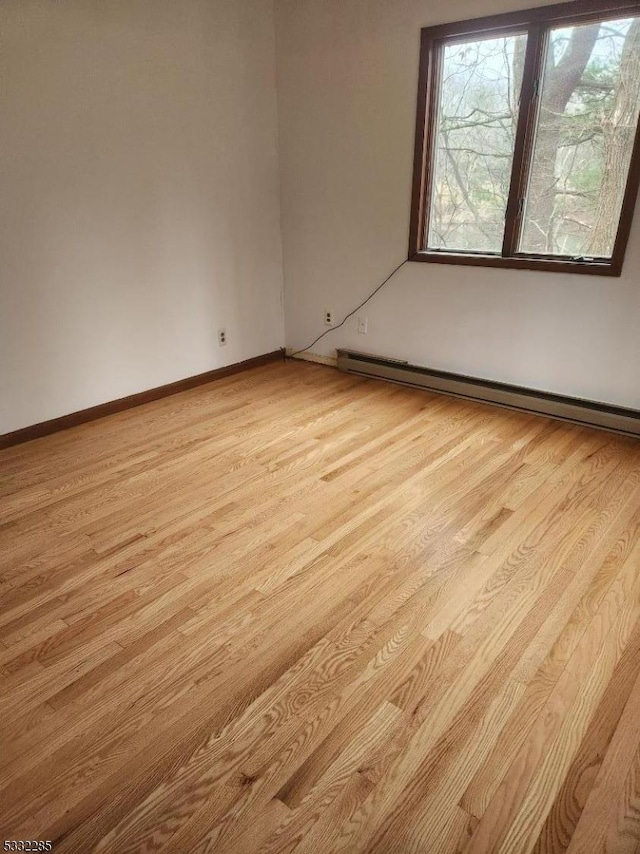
584, 139
475, 135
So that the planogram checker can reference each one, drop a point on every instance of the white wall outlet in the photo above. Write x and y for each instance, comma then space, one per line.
222, 337
328, 318
363, 324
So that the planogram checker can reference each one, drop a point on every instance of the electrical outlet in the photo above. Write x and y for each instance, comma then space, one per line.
363, 324
328, 318
222, 337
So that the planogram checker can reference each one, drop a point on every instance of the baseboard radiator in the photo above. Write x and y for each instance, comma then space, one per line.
578, 411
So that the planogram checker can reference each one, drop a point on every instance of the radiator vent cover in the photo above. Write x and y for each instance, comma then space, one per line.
586, 412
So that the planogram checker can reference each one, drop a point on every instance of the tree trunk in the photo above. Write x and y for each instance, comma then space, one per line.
517, 77
560, 82
619, 136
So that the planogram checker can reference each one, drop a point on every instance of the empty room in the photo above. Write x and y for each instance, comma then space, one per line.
320, 426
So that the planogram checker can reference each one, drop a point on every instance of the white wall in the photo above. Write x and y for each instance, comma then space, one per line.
347, 82
139, 197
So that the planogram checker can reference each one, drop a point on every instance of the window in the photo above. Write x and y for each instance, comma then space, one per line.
527, 142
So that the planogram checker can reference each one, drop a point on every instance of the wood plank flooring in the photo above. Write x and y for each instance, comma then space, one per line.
299, 611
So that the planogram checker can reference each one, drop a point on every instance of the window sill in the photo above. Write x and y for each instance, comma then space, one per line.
547, 265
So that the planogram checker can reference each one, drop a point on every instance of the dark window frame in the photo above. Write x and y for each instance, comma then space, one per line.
536, 22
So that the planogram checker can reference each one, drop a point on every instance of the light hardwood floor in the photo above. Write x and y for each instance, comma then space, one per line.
299, 611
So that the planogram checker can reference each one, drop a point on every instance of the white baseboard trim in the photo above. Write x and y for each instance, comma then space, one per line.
312, 357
